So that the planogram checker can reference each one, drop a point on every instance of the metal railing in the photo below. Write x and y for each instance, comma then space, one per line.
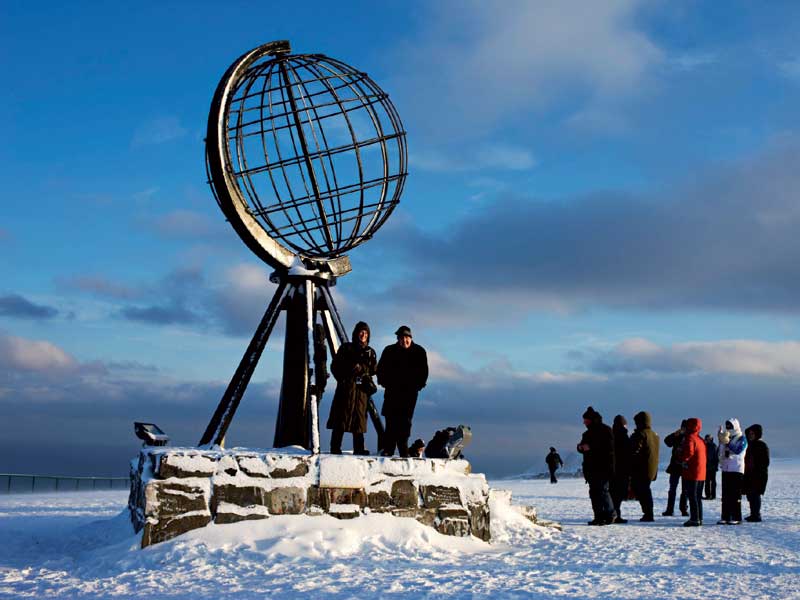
22, 482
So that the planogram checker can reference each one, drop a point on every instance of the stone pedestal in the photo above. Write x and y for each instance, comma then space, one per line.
175, 490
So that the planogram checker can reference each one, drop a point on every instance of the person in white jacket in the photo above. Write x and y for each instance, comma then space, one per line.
732, 449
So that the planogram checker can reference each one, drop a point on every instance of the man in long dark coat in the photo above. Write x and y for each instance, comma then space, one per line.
353, 365
597, 447
756, 469
644, 462
553, 460
403, 372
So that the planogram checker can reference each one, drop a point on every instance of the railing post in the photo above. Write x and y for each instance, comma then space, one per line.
56, 483
33, 483
9, 484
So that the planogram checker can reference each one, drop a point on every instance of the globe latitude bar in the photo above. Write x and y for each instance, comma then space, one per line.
306, 157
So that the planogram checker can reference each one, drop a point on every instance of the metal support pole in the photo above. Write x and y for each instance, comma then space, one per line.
313, 400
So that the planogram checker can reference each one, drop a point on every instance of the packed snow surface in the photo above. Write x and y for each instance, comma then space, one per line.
80, 545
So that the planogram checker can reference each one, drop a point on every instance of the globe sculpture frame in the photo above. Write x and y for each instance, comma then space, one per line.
284, 132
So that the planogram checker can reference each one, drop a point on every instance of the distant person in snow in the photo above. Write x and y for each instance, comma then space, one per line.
693, 461
712, 466
644, 462
732, 451
353, 367
597, 448
554, 463
756, 466
622, 466
403, 372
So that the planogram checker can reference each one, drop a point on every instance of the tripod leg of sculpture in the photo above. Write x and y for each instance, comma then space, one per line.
218, 426
291, 426
334, 323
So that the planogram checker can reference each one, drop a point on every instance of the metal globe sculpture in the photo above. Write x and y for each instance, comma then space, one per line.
307, 158
306, 155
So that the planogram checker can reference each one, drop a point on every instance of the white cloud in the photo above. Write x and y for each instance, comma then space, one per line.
481, 62
744, 357
484, 157
790, 68
33, 355
158, 131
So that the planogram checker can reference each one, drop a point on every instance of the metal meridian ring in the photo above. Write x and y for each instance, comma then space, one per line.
230, 199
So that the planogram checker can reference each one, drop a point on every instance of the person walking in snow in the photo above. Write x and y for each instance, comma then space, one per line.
644, 462
675, 441
756, 467
732, 451
622, 466
712, 466
554, 462
403, 372
693, 461
597, 448
353, 367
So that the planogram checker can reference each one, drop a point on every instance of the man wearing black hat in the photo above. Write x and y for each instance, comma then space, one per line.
403, 372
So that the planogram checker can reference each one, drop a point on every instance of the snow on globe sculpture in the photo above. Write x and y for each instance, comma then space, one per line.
306, 157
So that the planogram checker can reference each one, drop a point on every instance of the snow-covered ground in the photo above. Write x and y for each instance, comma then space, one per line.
75, 545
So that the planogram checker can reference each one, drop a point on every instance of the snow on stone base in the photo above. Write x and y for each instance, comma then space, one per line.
174, 490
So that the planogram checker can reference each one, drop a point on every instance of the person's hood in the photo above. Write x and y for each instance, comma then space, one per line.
737, 428
694, 425
643, 420
360, 326
756, 429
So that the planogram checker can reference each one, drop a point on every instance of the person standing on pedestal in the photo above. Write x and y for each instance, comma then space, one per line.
353, 367
403, 372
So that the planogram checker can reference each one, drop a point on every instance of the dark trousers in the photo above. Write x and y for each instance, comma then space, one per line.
731, 496
602, 506
396, 436
711, 486
674, 480
755, 505
337, 435
619, 492
553, 476
641, 487
693, 490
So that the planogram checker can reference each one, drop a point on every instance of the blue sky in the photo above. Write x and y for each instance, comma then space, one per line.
601, 209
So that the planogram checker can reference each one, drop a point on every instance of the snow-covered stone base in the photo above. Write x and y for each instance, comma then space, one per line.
175, 490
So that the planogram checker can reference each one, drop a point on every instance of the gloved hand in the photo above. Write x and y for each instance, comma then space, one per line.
723, 435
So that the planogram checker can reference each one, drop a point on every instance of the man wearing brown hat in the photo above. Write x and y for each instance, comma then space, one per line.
403, 372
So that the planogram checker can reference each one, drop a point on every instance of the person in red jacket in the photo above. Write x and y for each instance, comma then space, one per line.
693, 459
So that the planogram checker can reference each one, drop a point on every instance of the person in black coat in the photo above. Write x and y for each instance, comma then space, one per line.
353, 367
597, 448
712, 466
675, 469
622, 466
403, 372
553, 461
756, 466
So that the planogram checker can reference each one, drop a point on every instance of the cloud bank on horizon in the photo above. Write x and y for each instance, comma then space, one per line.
601, 210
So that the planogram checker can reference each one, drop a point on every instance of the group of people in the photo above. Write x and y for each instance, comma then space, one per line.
618, 466
402, 371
